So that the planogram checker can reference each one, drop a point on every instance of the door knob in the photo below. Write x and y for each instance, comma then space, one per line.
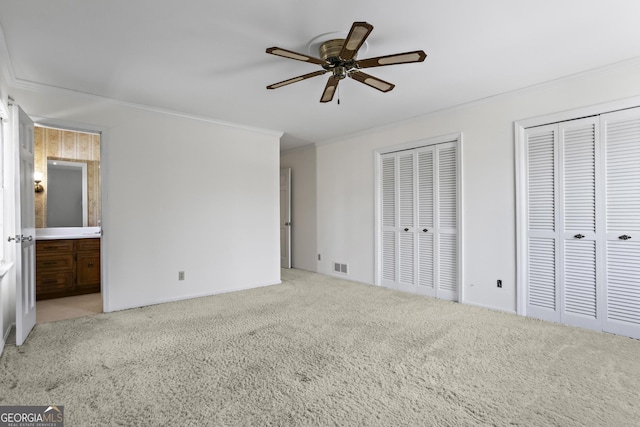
406, 229
425, 230
624, 237
579, 236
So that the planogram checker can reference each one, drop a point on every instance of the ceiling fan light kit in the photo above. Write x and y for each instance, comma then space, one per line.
339, 57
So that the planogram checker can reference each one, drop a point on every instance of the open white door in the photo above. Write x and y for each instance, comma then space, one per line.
24, 225
285, 218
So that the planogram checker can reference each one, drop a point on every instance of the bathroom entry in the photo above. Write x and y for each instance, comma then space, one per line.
68, 223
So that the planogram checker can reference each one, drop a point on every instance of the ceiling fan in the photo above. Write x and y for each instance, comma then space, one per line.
338, 56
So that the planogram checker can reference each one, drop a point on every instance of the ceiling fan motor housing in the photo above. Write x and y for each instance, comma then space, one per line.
330, 52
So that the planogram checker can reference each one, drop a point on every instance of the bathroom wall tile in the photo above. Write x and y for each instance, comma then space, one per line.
52, 142
83, 150
95, 147
69, 144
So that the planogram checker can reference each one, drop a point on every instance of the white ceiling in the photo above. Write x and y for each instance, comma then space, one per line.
207, 58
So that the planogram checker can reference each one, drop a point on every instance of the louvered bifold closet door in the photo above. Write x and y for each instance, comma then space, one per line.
446, 216
406, 215
389, 215
425, 230
399, 242
621, 135
542, 216
419, 215
579, 246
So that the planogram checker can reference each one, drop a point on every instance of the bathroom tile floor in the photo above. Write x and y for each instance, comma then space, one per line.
51, 310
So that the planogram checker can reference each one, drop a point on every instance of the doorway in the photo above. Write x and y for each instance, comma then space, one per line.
68, 267
285, 218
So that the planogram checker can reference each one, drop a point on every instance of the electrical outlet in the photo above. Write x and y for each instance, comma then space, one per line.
499, 283
180, 275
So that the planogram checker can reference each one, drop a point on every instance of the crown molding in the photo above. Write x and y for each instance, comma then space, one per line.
44, 88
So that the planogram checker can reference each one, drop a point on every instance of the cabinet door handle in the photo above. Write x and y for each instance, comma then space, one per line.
579, 236
624, 237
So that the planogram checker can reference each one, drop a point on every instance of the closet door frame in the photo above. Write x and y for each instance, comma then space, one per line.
522, 253
455, 138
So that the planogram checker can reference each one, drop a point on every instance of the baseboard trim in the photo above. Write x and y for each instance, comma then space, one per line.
490, 307
192, 296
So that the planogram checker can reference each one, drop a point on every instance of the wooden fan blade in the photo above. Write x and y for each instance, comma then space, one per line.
296, 79
294, 55
374, 82
356, 37
398, 58
330, 89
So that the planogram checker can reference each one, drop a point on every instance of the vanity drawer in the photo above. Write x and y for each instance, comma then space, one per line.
55, 262
49, 284
54, 246
88, 245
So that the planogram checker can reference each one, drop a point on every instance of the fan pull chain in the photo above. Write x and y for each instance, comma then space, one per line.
338, 95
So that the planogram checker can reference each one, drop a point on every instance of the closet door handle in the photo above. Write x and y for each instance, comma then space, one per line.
579, 236
624, 237
406, 229
425, 230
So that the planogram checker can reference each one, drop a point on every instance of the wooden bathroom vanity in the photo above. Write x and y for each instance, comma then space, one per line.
67, 267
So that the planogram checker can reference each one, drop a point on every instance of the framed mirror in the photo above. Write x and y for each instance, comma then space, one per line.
67, 194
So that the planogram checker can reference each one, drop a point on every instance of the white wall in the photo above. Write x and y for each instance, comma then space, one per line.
190, 196
179, 194
302, 162
345, 179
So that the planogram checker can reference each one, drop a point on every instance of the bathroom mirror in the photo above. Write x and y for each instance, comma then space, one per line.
67, 194
71, 194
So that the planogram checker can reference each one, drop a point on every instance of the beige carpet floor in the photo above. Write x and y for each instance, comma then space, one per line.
321, 351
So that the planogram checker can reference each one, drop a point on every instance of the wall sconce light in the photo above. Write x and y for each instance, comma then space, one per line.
37, 177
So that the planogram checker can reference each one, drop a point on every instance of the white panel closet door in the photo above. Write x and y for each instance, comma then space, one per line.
542, 236
389, 252
406, 238
426, 232
621, 135
446, 221
579, 246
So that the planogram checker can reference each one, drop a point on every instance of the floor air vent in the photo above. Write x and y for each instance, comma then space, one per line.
340, 268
